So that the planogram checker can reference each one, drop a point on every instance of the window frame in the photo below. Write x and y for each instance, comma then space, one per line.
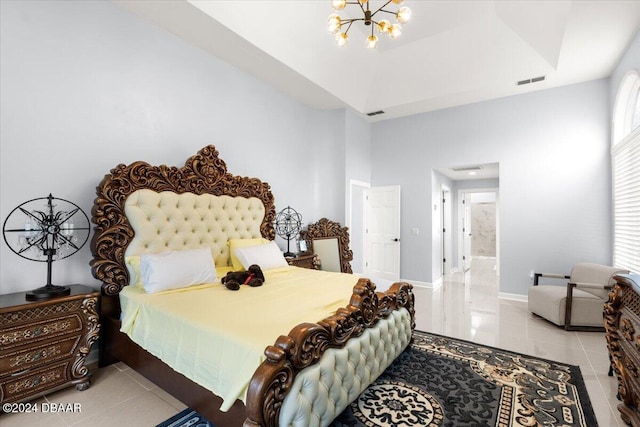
625, 151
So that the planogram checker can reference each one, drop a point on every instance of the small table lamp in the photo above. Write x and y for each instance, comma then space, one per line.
46, 234
288, 224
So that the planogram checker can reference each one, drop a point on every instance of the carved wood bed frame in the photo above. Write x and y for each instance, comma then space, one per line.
206, 173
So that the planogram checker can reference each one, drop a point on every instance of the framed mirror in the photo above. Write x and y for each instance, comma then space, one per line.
330, 242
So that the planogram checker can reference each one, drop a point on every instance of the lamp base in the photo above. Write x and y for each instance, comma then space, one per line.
289, 255
47, 292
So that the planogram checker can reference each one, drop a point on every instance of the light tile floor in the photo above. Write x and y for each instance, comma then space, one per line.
466, 306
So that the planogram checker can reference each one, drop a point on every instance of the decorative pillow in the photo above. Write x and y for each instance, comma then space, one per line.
133, 265
241, 243
176, 269
267, 255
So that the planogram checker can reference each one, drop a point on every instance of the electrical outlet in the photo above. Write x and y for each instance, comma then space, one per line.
531, 276
415, 231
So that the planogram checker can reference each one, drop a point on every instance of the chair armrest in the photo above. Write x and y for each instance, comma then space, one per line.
590, 285
537, 276
553, 276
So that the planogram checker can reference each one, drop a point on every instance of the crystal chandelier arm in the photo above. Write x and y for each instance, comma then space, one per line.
69, 215
30, 245
381, 9
68, 241
387, 11
39, 241
30, 214
351, 21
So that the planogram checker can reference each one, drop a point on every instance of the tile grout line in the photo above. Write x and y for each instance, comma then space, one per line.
46, 398
602, 390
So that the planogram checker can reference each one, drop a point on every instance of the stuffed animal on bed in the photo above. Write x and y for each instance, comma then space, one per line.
252, 277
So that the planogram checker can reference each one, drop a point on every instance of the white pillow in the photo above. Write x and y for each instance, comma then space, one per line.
176, 269
267, 256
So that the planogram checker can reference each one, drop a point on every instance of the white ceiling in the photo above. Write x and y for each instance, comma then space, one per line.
450, 53
471, 172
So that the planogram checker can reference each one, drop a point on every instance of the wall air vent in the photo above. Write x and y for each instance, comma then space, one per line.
375, 113
533, 80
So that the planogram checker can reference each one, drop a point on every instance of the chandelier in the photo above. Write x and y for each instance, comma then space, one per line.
393, 30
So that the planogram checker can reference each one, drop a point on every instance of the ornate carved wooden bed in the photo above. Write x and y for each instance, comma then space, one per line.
277, 388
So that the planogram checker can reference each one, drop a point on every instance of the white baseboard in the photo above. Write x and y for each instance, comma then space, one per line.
383, 284
427, 285
514, 297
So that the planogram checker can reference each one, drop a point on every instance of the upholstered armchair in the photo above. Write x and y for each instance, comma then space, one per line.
579, 304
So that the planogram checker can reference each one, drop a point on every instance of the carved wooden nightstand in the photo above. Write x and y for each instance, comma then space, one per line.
43, 344
622, 323
305, 260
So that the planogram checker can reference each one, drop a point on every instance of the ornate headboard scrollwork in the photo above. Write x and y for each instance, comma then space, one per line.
327, 229
203, 173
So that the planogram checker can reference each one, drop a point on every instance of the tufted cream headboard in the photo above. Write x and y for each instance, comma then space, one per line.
141, 208
168, 221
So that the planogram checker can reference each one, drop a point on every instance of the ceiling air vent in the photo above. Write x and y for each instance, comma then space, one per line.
533, 80
467, 169
375, 113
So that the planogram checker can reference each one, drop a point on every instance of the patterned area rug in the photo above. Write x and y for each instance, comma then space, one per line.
441, 381
187, 418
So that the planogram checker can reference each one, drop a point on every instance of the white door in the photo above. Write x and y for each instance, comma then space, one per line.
466, 232
383, 233
446, 230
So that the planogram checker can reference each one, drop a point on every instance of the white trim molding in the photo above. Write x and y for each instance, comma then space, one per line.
426, 285
513, 297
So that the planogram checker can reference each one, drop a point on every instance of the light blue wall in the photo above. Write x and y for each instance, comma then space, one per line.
553, 150
87, 85
358, 147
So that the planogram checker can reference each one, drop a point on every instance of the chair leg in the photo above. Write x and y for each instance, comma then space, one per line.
568, 304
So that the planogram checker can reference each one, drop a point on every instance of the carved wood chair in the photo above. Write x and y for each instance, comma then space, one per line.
330, 242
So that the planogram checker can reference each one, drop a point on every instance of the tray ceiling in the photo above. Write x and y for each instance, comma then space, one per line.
451, 53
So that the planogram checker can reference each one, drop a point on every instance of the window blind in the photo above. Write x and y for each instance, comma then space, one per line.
626, 202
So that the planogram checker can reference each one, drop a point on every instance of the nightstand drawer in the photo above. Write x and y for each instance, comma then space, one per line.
32, 357
34, 381
40, 330
44, 344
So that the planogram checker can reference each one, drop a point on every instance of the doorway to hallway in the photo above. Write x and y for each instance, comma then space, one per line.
479, 225
467, 228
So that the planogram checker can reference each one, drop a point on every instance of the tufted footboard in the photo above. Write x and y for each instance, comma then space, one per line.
311, 375
322, 391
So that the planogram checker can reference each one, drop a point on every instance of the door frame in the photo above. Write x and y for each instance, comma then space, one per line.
461, 193
350, 223
464, 227
446, 229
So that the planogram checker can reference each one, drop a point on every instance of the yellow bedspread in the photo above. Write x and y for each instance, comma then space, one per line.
216, 337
